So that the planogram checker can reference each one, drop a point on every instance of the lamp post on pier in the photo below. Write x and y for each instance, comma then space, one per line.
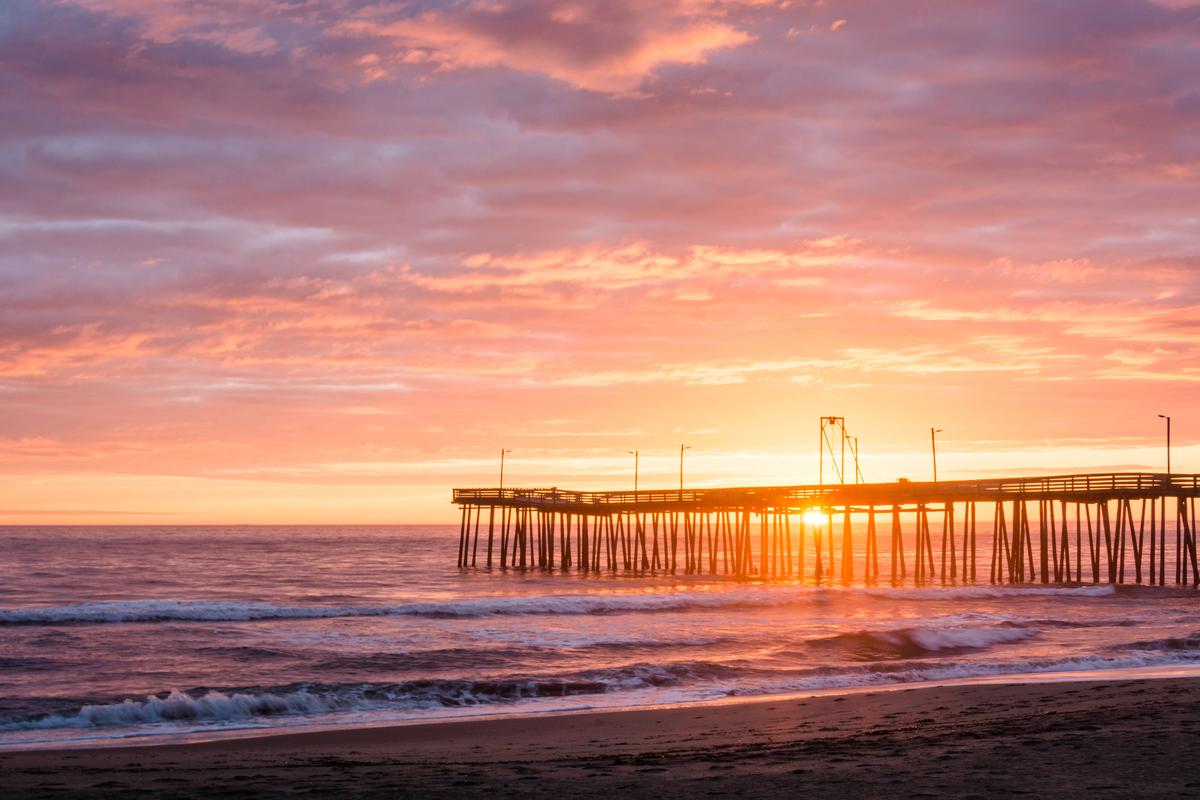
634, 453
933, 432
502, 452
1168, 419
682, 447
857, 471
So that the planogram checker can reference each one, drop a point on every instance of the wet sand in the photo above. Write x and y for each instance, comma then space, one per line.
1097, 739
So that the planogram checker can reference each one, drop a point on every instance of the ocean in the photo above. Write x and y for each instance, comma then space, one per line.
120, 634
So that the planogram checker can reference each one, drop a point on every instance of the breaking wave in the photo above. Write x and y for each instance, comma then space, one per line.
685, 681
973, 592
199, 705
217, 610
239, 705
917, 642
130, 611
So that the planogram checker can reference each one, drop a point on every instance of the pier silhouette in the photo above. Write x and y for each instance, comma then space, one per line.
1060, 529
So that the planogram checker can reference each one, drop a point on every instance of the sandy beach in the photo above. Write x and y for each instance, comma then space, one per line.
1084, 739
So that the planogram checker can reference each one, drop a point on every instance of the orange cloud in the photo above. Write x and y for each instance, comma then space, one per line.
601, 47
605, 269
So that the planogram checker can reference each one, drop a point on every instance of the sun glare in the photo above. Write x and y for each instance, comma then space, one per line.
815, 518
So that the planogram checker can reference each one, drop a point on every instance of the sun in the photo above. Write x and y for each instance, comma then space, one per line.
815, 517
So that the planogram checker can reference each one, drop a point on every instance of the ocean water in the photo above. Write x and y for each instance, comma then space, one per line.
111, 634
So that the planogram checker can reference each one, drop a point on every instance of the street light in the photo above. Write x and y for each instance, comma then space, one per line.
1168, 419
933, 432
502, 452
634, 453
682, 447
858, 478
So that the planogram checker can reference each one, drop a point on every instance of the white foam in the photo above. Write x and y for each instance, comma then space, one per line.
937, 639
182, 707
663, 684
220, 610
221, 707
959, 671
969, 592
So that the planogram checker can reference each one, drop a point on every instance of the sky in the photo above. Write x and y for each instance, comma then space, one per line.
278, 261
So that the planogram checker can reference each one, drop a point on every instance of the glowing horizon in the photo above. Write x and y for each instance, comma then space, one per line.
320, 262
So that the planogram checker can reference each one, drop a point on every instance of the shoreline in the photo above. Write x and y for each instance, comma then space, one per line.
1160, 672
1095, 736
1172, 672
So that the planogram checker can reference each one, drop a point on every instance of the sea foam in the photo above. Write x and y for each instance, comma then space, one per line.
917, 641
171, 610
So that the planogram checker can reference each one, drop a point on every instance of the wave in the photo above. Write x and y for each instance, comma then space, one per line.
130, 611
214, 706
647, 675
19, 664
972, 592
917, 642
226, 611
443, 659
244, 653
931, 672
679, 682
1190, 642
237, 705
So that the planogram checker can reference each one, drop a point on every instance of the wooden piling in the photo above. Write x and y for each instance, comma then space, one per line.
847, 548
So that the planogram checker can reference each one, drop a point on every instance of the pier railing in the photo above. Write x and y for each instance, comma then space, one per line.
1114, 484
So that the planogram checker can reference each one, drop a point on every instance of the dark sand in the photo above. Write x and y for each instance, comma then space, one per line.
1119, 739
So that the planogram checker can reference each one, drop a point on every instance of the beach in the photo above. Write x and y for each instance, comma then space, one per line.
1091, 739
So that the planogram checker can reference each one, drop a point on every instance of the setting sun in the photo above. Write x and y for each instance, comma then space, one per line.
815, 518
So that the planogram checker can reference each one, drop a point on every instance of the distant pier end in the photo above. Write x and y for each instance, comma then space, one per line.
1060, 529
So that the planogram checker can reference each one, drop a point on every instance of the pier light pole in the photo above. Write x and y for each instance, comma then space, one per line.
682, 447
634, 453
502, 452
1168, 419
933, 432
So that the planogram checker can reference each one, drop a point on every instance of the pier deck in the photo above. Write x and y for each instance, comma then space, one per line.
713, 531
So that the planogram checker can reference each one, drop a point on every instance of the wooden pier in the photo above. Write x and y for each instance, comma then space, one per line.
1099, 528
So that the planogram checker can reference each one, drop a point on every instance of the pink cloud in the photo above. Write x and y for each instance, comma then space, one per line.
606, 47
237, 25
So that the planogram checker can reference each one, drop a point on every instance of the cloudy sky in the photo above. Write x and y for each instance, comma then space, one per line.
289, 260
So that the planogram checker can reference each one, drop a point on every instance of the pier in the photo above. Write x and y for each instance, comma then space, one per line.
1063, 529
